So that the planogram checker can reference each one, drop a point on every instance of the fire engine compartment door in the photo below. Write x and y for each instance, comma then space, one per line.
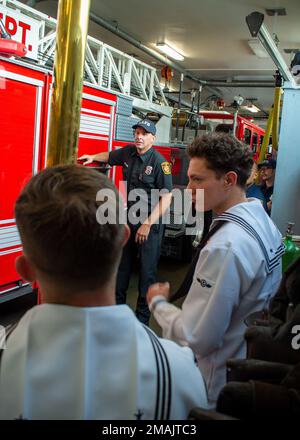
20, 103
96, 124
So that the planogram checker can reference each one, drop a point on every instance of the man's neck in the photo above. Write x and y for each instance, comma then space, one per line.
143, 151
234, 199
101, 297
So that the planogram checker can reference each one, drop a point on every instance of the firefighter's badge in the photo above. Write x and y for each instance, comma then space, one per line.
166, 167
148, 170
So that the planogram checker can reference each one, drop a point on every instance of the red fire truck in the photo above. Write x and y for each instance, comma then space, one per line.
117, 86
245, 129
24, 94
118, 90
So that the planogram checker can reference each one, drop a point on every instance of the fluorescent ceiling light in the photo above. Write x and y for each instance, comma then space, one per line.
251, 108
257, 48
166, 49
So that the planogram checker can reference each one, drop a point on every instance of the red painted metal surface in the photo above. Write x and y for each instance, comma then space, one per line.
96, 132
19, 149
9, 48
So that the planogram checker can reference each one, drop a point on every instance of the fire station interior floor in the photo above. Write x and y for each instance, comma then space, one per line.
168, 270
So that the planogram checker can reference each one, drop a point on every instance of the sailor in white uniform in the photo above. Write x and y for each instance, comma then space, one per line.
78, 355
238, 270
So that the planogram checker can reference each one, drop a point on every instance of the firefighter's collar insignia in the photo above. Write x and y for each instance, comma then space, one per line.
204, 283
166, 167
148, 170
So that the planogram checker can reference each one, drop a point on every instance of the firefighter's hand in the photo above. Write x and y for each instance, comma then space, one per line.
142, 233
87, 158
162, 289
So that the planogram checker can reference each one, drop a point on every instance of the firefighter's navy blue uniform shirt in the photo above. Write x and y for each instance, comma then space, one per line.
148, 171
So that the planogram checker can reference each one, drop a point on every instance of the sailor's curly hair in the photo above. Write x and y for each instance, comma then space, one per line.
223, 153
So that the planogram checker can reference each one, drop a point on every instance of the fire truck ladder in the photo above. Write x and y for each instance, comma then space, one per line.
105, 66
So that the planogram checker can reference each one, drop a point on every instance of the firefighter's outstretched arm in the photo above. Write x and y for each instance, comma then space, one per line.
99, 157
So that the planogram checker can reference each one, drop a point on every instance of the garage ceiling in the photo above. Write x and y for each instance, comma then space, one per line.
211, 34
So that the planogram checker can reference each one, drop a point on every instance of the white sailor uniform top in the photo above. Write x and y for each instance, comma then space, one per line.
237, 273
64, 362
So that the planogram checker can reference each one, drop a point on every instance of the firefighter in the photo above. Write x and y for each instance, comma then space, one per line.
144, 170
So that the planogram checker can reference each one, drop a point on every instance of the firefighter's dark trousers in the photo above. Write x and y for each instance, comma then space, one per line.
148, 254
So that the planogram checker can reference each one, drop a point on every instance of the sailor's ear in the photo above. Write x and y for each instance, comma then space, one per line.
25, 268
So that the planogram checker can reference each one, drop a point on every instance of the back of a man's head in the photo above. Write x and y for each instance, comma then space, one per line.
223, 153
56, 217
